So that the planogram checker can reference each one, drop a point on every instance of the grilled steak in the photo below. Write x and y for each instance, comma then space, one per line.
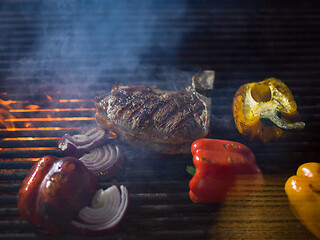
162, 121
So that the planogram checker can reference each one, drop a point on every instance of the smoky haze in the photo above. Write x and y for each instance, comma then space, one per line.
96, 43
89, 41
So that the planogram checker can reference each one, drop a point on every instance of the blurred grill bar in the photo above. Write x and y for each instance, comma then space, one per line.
55, 58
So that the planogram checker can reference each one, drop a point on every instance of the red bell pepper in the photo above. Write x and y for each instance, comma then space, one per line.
223, 170
54, 191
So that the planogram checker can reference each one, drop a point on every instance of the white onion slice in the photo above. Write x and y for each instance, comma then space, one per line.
104, 161
79, 144
105, 213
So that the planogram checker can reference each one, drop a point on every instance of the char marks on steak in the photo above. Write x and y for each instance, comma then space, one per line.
159, 120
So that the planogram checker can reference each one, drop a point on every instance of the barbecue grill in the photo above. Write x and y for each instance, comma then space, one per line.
55, 57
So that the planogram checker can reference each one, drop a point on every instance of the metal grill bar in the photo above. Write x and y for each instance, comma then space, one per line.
50, 93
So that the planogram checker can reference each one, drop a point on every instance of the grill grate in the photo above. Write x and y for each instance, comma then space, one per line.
55, 58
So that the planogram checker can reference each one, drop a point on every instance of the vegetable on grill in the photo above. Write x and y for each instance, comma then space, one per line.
224, 170
105, 213
92, 149
59, 195
265, 111
104, 161
80, 144
303, 191
54, 191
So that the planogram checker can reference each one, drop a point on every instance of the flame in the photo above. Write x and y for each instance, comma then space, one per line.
5, 114
72, 100
10, 115
19, 159
30, 138
51, 110
9, 102
29, 149
40, 129
49, 118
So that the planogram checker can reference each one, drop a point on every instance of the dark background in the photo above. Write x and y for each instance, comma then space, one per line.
52, 51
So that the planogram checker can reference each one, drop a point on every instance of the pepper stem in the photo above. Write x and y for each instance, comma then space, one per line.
191, 170
273, 116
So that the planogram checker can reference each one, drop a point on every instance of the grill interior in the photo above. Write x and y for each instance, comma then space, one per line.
55, 57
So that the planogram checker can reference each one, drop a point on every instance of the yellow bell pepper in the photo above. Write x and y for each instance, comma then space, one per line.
303, 191
254, 104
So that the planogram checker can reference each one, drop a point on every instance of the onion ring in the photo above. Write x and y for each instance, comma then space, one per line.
107, 209
104, 161
79, 144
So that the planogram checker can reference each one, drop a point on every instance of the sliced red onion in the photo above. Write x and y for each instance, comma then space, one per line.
104, 161
105, 213
79, 144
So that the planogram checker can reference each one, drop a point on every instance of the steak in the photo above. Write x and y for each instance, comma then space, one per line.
163, 121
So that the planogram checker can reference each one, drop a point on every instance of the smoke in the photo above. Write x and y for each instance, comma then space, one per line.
59, 43
88, 41
70, 46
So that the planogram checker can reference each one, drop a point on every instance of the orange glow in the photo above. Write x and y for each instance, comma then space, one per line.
30, 138
20, 159
7, 119
49, 119
8, 102
32, 159
52, 110
28, 125
29, 149
32, 107
113, 135
73, 100
4, 115
49, 98
38, 129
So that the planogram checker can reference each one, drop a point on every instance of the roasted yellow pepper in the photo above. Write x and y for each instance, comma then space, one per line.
303, 191
265, 111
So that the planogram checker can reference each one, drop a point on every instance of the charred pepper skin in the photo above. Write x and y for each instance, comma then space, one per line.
224, 170
54, 191
265, 111
303, 191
